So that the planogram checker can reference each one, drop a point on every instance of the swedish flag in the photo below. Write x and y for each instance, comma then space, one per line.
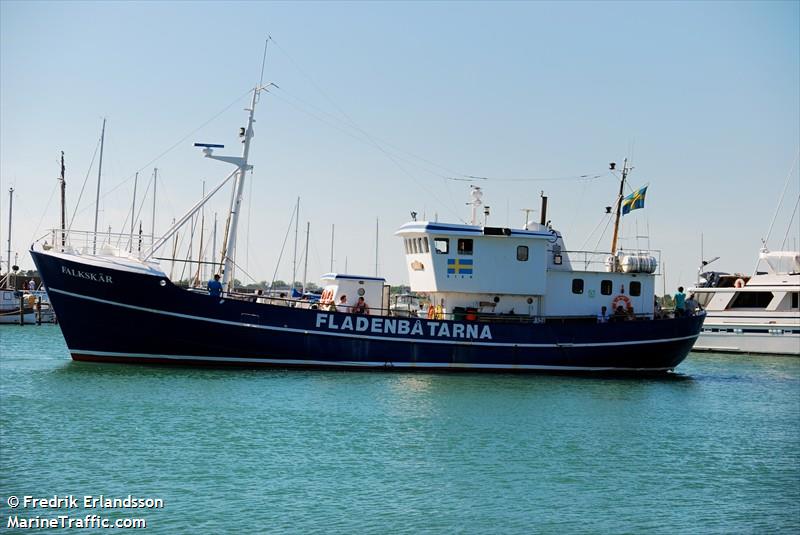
459, 266
634, 201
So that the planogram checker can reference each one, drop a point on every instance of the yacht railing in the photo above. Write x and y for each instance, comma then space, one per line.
598, 261
101, 243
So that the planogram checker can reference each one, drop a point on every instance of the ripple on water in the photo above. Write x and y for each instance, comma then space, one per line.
715, 448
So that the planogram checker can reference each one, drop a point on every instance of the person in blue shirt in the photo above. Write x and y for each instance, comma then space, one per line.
680, 302
215, 287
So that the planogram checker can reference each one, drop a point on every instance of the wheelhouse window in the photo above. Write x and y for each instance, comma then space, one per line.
414, 248
795, 299
522, 253
464, 246
577, 286
425, 244
606, 287
441, 245
408, 246
751, 300
635, 288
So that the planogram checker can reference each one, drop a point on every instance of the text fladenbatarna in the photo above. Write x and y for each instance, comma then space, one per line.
374, 325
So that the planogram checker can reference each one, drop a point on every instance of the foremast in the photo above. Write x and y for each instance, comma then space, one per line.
247, 133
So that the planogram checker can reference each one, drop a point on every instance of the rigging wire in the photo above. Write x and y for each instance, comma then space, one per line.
789, 226
165, 152
85, 179
280, 256
46, 208
780, 201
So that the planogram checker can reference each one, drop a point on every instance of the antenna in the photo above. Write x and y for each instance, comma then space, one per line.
527, 214
264, 61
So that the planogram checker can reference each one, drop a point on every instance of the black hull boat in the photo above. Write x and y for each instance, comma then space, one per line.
112, 313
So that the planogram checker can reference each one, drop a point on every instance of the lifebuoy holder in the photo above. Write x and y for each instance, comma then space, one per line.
621, 299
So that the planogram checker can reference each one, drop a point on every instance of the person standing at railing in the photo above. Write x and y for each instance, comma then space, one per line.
215, 287
32, 285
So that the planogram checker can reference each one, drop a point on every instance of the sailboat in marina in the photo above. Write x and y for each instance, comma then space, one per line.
502, 299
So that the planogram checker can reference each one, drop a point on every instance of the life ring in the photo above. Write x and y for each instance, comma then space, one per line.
739, 283
431, 312
621, 299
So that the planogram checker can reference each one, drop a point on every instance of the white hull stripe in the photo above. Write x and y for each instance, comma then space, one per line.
353, 364
362, 336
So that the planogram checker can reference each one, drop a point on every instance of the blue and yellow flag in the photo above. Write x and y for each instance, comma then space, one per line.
634, 201
459, 266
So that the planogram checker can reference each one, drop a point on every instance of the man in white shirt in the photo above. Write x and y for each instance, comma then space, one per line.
603, 316
342, 305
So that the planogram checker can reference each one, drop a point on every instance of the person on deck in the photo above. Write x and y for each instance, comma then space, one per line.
620, 314
603, 316
342, 306
692, 306
361, 307
215, 287
31, 285
680, 302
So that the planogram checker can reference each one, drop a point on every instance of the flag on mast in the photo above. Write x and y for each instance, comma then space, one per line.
634, 201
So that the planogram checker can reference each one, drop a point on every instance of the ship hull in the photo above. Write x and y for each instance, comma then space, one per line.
114, 315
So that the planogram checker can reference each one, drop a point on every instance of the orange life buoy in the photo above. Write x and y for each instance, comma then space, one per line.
739, 283
621, 299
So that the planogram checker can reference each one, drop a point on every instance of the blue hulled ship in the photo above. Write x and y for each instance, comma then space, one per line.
500, 299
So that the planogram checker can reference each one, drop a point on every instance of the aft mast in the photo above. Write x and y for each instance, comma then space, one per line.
625, 170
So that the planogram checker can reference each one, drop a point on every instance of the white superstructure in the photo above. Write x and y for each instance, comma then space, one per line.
758, 314
522, 273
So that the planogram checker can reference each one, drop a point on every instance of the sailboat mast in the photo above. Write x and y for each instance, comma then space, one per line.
619, 206
227, 274
133, 208
333, 228
8, 262
305, 267
63, 204
296, 225
376, 246
155, 179
214, 246
97, 199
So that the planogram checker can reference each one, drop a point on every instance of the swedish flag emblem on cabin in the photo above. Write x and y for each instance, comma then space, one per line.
634, 201
459, 266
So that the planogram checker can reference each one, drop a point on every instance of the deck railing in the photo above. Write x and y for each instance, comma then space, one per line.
104, 243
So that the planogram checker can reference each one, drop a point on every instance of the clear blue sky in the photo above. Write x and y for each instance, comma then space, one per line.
704, 96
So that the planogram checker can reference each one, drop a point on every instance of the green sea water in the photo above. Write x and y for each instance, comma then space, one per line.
714, 449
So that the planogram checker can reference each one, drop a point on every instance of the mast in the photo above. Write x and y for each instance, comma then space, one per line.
230, 248
8, 262
625, 170
155, 178
296, 225
305, 267
333, 228
133, 208
376, 246
200, 251
63, 204
97, 199
214, 245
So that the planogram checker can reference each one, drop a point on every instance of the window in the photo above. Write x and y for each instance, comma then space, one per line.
522, 253
408, 246
414, 246
425, 243
751, 300
577, 286
464, 246
441, 245
419, 245
795, 299
606, 287
635, 288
